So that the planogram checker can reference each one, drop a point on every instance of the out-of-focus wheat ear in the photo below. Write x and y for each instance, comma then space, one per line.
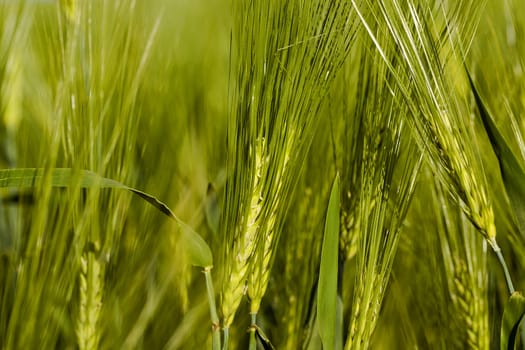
464, 260
14, 45
463, 298
350, 228
91, 287
70, 8
297, 256
11, 88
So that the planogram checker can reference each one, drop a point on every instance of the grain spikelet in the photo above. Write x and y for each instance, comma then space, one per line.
91, 286
244, 248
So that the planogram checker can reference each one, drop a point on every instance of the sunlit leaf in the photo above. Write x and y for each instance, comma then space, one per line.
327, 297
512, 316
511, 170
263, 338
198, 251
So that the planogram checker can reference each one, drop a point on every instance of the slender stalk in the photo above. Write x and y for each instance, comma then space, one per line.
253, 341
226, 334
508, 279
501, 259
216, 336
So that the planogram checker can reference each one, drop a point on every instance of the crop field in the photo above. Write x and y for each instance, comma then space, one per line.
262, 174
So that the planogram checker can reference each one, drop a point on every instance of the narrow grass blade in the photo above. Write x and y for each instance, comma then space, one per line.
212, 209
265, 341
198, 251
327, 297
511, 170
512, 316
339, 333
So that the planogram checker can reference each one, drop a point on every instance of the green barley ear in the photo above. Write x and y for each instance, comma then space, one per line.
512, 174
386, 183
91, 287
244, 246
450, 262
511, 169
471, 310
271, 127
464, 257
437, 110
349, 147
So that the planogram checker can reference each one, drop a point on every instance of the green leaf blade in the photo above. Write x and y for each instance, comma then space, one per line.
327, 294
512, 316
198, 250
512, 172
199, 253
212, 210
263, 338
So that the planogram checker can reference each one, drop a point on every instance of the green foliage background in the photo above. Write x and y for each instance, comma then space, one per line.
177, 98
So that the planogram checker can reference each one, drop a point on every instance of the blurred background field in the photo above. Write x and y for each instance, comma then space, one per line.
151, 93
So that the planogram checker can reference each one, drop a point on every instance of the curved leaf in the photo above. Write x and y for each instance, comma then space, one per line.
212, 210
263, 338
198, 251
512, 316
327, 296
512, 172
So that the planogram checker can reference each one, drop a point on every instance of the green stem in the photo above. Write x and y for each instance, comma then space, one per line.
508, 278
253, 341
497, 250
226, 333
216, 335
